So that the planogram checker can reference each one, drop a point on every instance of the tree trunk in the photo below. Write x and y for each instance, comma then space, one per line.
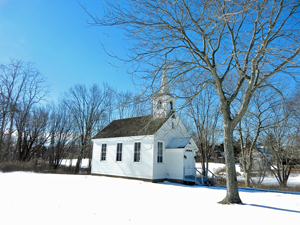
247, 177
79, 160
232, 194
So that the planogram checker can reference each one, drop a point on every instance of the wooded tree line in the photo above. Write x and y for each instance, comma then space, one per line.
33, 129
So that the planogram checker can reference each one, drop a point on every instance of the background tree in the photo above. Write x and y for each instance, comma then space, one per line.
250, 127
131, 105
32, 133
205, 115
22, 87
85, 106
62, 135
225, 44
282, 142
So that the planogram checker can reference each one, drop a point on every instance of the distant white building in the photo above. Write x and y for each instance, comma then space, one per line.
154, 147
260, 158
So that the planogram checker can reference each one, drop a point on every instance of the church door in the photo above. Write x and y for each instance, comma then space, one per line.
189, 163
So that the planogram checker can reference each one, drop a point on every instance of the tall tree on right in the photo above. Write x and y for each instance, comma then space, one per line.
231, 45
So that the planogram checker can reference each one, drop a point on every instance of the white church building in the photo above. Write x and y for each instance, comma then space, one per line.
155, 147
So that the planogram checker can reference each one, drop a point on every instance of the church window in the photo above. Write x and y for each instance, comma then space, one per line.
159, 104
171, 105
159, 152
103, 152
137, 152
119, 152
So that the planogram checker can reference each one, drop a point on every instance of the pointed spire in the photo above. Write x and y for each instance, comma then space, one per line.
165, 89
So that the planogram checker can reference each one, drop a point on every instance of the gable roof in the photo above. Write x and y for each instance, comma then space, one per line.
136, 126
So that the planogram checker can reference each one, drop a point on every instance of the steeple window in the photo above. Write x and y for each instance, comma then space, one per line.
171, 105
159, 104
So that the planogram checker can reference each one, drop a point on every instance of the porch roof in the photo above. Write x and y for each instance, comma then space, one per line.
179, 142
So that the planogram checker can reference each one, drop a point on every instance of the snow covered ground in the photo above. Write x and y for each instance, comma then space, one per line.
32, 198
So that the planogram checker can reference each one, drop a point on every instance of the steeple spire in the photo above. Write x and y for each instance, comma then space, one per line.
165, 89
163, 103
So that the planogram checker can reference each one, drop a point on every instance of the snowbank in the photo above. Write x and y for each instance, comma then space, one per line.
67, 162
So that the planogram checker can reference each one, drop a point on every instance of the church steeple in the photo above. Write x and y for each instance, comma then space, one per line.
164, 89
163, 103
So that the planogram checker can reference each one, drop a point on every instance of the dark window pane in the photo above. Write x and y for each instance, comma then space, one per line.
103, 152
137, 151
119, 152
159, 152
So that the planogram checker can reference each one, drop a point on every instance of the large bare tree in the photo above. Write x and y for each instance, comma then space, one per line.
225, 43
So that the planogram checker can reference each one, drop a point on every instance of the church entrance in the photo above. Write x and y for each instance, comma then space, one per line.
189, 163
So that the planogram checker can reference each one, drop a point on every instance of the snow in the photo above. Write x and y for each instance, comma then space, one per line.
67, 162
269, 180
32, 198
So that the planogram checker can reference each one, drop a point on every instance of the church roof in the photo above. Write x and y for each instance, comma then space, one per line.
136, 126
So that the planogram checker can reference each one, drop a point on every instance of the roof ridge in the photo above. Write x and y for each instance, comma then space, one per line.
132, 117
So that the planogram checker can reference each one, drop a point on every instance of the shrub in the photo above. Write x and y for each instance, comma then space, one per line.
18, 166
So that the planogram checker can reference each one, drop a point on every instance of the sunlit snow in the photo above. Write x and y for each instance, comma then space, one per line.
32, 198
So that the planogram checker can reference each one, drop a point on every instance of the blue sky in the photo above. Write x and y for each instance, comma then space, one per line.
53, 34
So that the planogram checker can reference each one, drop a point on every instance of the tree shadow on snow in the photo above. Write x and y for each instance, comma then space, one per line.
273, 208
241, 189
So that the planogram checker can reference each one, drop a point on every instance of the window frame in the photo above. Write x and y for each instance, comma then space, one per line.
160, 152
137, 152
103, 153
119, 152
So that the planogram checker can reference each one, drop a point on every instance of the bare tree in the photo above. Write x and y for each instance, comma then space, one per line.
250, 127
282, 142
32, 133
85, 105
22, 87
226, 44
131, 105
205, 114
62, 135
